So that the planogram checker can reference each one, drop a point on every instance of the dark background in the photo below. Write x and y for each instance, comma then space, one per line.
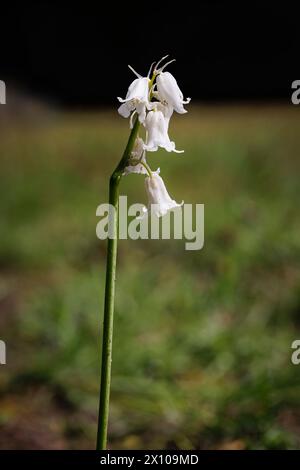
76, 54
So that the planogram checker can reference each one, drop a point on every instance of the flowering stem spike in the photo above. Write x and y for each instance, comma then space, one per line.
155, 117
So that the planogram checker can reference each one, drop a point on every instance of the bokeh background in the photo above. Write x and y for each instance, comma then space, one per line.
202, 342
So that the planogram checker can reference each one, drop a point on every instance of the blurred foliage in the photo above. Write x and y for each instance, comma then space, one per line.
202, 341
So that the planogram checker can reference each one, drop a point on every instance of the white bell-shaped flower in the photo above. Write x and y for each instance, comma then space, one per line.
169, 91
157, 127
137, 98
159, 200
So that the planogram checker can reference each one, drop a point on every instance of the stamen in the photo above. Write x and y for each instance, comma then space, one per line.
137, 74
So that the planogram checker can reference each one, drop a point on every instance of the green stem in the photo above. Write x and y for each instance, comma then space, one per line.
126, 155
111, 262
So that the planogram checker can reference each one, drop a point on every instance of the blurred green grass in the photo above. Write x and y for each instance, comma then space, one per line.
202, 339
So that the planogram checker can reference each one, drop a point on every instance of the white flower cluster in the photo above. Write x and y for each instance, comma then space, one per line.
153, 101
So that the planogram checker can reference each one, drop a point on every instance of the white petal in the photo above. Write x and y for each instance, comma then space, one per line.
139, 89
159, 200
170, 92
141, 110
167, 111
124, 110
157, 127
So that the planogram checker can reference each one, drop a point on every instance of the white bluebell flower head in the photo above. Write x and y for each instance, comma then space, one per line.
169, 92
137, 98
157, 129
159, 200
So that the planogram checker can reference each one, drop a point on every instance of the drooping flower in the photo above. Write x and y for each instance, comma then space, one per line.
137, 98
157, 127
169, 91
159, 200
166, 109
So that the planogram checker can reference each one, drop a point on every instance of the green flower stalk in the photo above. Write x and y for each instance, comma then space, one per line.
155, 117
111, 262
